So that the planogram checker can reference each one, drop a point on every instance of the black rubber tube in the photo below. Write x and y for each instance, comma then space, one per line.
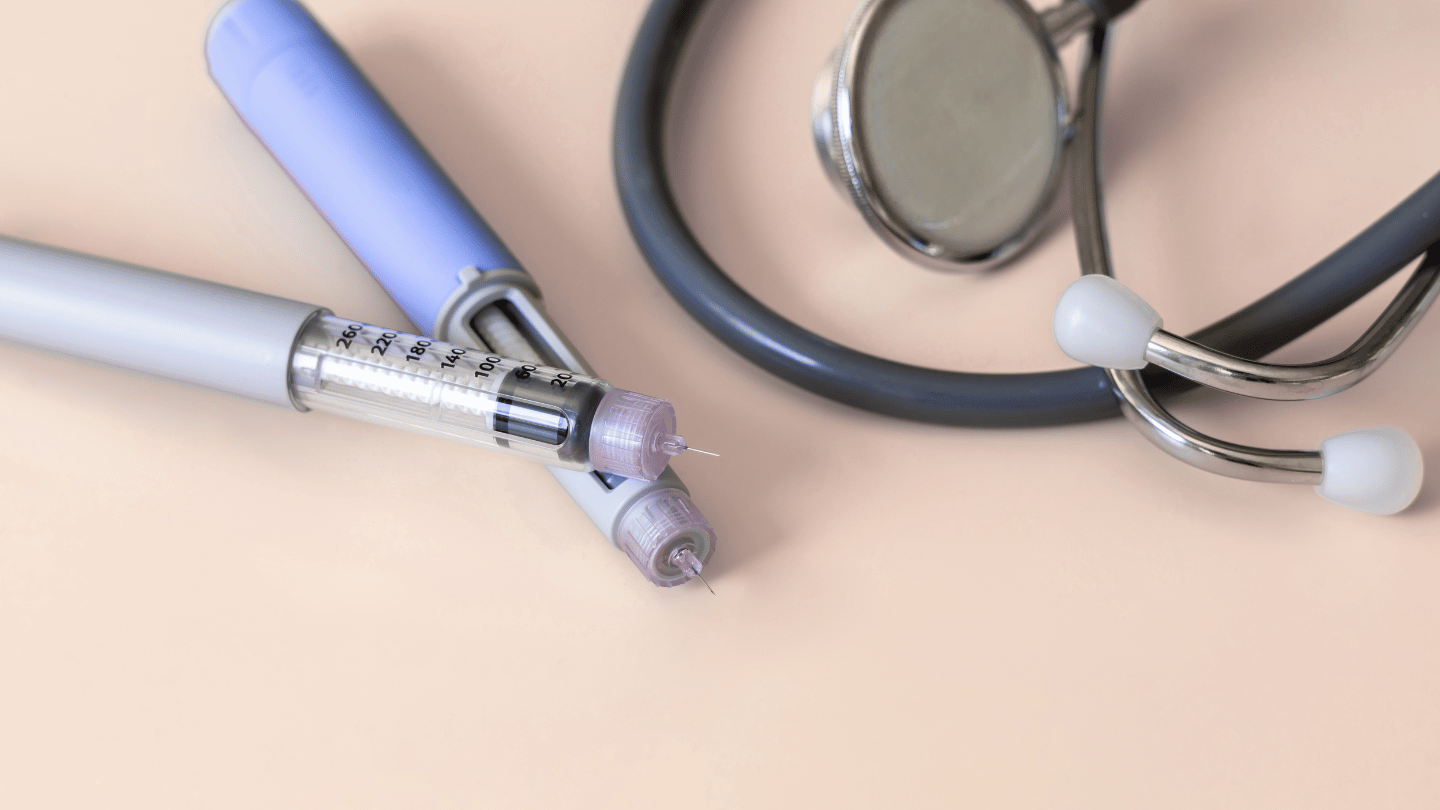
1107, 10
924, 394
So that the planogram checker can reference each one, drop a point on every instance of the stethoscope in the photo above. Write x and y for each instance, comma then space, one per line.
902, 176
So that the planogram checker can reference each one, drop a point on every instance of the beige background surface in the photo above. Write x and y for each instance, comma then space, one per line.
210, 603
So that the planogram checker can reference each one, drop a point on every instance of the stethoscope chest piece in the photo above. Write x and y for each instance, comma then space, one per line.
945, 121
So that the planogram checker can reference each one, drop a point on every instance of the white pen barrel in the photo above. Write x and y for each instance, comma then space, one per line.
181, 328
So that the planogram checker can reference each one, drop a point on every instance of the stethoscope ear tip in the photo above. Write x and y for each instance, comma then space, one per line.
1375, 470
1101, 322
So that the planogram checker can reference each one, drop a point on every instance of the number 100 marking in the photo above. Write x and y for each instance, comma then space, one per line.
487, 366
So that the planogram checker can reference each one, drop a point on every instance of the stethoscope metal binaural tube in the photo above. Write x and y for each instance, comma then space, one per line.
1189, 358
1153, 421
933, 395
1377, 470
1237, 375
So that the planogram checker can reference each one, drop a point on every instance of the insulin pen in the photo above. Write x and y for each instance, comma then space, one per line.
302, 356
309, 105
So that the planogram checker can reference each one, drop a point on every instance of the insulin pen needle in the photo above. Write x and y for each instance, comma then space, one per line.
672, 445
685, 560
707, 585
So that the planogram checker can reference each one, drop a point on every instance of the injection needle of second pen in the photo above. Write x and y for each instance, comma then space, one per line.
686, 561
707, 584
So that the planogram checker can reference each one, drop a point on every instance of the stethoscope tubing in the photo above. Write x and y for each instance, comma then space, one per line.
924, 394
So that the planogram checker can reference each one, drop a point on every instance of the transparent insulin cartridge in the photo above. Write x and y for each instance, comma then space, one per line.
559, 418
299, 355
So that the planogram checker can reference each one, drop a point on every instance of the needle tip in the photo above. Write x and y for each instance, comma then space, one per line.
673, 445
686, 561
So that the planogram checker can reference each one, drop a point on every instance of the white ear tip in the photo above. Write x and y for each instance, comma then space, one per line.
1376, 470
1101, 322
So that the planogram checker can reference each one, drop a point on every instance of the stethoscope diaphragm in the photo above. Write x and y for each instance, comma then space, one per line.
945, 122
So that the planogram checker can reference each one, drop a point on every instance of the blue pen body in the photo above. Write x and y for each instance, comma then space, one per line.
340, 142
385, 196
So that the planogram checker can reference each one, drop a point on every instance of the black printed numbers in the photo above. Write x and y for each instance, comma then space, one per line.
348, 335
452, 358
487, 367
382, 343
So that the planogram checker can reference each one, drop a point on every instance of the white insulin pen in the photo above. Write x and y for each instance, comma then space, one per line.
301, 356
413, 229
